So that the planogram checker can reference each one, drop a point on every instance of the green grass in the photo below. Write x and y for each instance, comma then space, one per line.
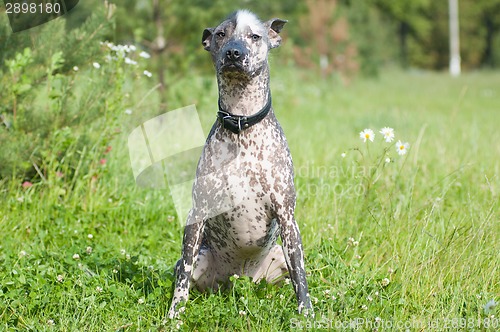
425, 226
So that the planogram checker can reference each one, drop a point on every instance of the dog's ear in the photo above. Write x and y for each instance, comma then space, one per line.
274, 27
207, 38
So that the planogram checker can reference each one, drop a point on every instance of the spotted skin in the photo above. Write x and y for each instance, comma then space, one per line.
252, 170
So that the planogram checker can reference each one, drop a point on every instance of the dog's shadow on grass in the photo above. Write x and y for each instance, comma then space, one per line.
137, 276
148, 279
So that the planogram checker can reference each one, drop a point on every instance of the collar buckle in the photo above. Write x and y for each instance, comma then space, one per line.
238, 123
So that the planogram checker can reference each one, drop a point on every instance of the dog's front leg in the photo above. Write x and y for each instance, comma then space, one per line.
184, 269
294, 257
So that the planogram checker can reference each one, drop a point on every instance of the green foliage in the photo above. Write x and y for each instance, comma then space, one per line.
56, 114
412, 240
422, 28
183, 26
371, 34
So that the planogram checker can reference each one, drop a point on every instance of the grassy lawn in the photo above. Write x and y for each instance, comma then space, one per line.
390, 241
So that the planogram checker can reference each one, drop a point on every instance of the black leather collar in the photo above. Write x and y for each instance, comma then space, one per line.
238, 123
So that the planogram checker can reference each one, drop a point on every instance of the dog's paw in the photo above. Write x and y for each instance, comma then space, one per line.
305, 308
174, 313
308, 313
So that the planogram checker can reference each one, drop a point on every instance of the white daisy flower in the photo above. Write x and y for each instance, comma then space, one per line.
402, 148
367, 134
96, 65
148, 73
388, 134
75, 68
343, 155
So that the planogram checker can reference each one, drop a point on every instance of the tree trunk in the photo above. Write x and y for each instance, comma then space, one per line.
159, 46
455, 67
403, 43
488, 59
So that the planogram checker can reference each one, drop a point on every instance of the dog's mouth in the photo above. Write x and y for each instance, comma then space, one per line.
232, 66
234, 70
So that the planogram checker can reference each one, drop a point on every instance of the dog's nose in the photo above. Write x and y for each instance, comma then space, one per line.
234, 51
233, 54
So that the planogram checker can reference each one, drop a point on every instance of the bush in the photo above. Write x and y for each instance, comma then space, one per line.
63, 98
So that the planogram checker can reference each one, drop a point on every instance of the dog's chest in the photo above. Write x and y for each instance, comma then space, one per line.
250, 171
259, 156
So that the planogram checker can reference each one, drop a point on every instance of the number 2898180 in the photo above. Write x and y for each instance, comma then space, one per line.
32, 8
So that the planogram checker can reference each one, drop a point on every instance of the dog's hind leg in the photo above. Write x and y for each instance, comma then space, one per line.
204, 276
272, 268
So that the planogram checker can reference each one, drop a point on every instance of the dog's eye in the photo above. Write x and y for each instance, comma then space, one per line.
256, 37
221, 34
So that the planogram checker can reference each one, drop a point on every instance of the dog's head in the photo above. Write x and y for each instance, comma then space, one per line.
239, 45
